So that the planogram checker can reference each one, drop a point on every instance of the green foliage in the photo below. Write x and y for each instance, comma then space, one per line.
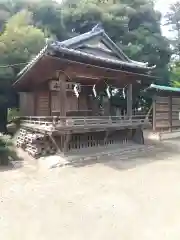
47, 16
19, 41
134, 25
13, 113
175, 75
173, 21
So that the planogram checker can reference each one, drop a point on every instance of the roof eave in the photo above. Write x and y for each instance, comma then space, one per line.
32, 62
154, 87
91, 56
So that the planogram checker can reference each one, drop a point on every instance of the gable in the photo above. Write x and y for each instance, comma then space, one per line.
97, 47
98, 52
101, 46
98, 41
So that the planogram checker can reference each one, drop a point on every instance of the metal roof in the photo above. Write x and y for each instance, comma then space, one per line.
163, 88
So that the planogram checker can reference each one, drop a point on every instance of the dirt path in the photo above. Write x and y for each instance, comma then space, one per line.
132, 200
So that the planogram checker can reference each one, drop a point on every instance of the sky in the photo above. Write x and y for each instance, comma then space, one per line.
162, 6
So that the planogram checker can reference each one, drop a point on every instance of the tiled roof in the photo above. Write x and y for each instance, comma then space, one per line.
59, 47
70, 46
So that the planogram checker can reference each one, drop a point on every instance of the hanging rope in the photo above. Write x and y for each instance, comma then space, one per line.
13, 65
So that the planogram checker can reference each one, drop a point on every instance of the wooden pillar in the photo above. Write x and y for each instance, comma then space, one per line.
106, 106
129, 100
67, 138
49, 101
154, 114
94, 106
170, 113
62, 94
35, 103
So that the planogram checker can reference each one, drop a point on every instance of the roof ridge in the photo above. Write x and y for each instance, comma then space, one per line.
69, 43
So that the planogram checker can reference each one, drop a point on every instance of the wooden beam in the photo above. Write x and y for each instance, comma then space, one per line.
47, 65
154, 113
129, 100
93, 74
62, 94
35, 103
170, 112
50, 110
66, 142
74, 65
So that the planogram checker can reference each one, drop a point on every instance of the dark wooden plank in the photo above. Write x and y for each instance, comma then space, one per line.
62, 94
161, 99
129, 100
175, 100
161, 108
170, 112
42, 103
154, 114
176, 123
35, 103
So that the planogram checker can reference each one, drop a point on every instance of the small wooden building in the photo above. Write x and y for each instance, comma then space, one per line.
59, 92
166, 107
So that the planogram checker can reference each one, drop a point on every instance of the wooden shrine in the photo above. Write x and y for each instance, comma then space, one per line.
166, 107
59, 94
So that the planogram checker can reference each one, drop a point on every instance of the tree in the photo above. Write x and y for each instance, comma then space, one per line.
46, 15
20, 39
18, 43
134, 25
175, 74
173, 22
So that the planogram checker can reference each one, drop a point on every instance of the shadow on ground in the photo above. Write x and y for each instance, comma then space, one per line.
155, 151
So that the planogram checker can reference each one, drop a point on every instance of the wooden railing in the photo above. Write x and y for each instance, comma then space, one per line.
78, 122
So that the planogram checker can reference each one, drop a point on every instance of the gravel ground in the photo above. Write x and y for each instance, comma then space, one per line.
135, 199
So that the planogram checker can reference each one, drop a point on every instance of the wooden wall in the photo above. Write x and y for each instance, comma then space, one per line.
42, 104
26, 104
72, 103
93, 105
166, 112
82, 102
34, 103
175, 112
55, 103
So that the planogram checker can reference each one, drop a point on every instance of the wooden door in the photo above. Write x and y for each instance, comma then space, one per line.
42, 104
